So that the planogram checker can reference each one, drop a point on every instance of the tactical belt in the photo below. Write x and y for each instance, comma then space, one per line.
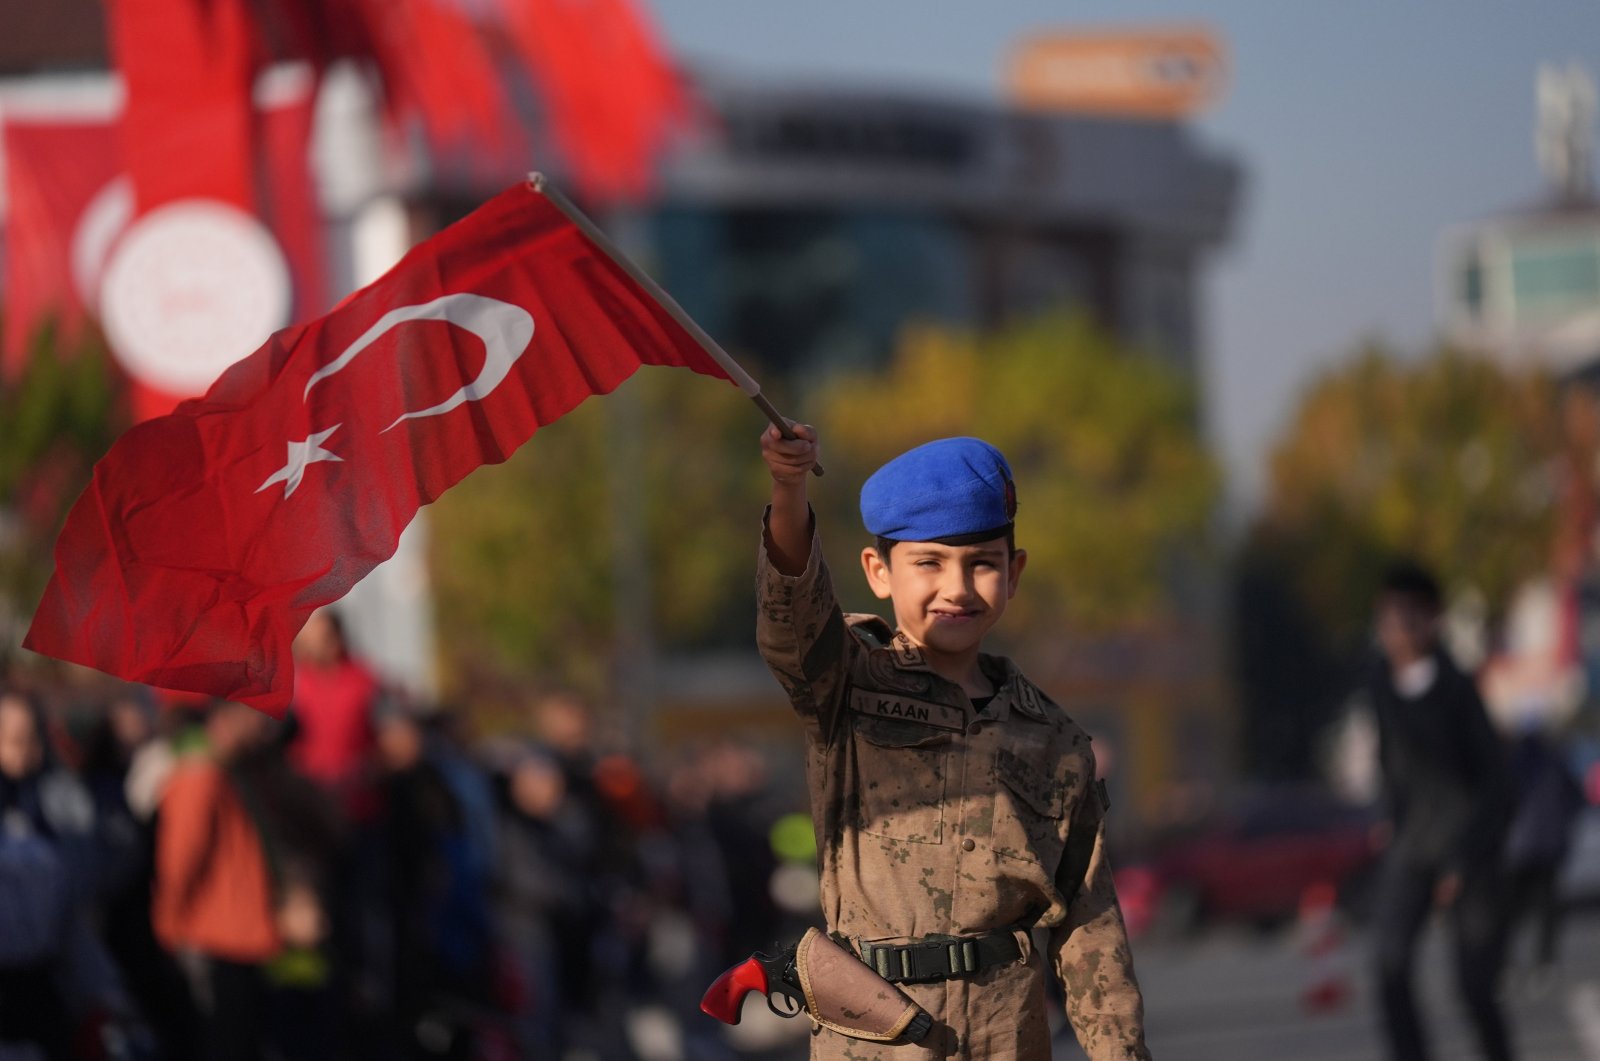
939, 957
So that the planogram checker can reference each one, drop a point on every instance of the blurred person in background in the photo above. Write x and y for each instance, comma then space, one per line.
332, 743
1448, 794
302, 833
564, 727
542, 896
688, 871
739, 814
124, 732
449, 748
58, 987
435, 900
214, 903
1549, 800
335, 695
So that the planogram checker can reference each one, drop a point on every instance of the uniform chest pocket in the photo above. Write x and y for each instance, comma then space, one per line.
900, 779
1034, 828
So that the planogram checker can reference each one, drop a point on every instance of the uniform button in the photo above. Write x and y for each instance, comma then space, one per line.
968, 844
975, 728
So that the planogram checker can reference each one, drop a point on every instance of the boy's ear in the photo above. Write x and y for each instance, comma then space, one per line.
875, 566
1019, 560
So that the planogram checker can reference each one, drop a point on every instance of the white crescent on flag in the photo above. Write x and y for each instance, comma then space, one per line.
505, 329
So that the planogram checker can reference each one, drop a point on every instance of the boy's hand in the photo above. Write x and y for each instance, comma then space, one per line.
790, 460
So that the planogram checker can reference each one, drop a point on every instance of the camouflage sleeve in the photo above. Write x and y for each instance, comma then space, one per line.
1090, 954
802, 636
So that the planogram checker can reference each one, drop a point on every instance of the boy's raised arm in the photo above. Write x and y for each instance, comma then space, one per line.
799, 627
789, 524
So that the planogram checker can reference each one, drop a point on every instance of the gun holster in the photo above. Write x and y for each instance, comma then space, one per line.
848, 996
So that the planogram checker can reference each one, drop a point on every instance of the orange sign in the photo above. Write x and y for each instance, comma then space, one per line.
1169, 73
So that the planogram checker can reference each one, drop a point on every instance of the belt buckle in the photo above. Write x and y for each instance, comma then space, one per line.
928, 961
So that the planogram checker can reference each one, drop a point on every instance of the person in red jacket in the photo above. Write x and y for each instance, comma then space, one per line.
213, 904
334, 698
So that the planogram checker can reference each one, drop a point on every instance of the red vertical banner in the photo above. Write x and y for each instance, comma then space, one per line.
290, 207
70, 208
188, 141
189, 67
436, 65
62, 209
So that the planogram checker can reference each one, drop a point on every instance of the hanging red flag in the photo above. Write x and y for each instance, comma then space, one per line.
435, 63
611, 94
70, 203
189, 68
62, 208
208, 536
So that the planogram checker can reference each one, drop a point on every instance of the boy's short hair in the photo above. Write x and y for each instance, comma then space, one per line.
1415, 583
883, 545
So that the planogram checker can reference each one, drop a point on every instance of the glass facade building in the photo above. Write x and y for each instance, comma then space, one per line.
1526, 287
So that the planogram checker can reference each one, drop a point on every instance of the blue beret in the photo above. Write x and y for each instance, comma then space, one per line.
952, 488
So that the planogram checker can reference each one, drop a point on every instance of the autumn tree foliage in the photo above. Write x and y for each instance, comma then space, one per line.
58, 414
1450, 459
1115, 486
1447, 458
524, 555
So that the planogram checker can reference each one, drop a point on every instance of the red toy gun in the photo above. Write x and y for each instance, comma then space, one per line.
775, 977
829, 983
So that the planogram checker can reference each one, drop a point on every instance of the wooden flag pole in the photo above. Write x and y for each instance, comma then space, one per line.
541, 184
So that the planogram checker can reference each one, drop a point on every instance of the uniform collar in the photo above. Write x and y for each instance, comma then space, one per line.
1011, 688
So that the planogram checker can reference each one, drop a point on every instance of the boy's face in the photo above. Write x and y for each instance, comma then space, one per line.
1407, 630
946, 597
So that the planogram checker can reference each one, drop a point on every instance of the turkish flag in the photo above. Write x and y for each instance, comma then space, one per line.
209, 535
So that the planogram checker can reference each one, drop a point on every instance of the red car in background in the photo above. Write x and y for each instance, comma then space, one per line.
1254, 863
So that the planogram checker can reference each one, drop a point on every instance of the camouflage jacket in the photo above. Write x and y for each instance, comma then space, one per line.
934, 818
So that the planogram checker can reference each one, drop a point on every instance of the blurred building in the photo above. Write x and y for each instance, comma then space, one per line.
1524, 285
804, 227
810, 223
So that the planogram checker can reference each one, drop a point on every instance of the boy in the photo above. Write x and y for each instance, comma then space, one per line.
955, 806
1449, 794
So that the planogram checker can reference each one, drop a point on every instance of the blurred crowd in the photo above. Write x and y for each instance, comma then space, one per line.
369, 879
365, 879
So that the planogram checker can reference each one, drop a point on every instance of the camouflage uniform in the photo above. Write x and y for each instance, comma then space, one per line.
932, 818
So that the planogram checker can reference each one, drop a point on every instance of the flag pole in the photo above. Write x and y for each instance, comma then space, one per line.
541, 184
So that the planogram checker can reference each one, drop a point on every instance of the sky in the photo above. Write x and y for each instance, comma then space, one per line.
1365, 127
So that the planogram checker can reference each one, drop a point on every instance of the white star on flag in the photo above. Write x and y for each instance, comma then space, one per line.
302, 453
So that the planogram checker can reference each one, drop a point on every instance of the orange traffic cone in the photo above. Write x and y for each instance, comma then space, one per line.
1322, 941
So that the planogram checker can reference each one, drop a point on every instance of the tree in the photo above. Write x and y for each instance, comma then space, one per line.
1112, 477
1113, 481
523, 555
1450, 459
58, 414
